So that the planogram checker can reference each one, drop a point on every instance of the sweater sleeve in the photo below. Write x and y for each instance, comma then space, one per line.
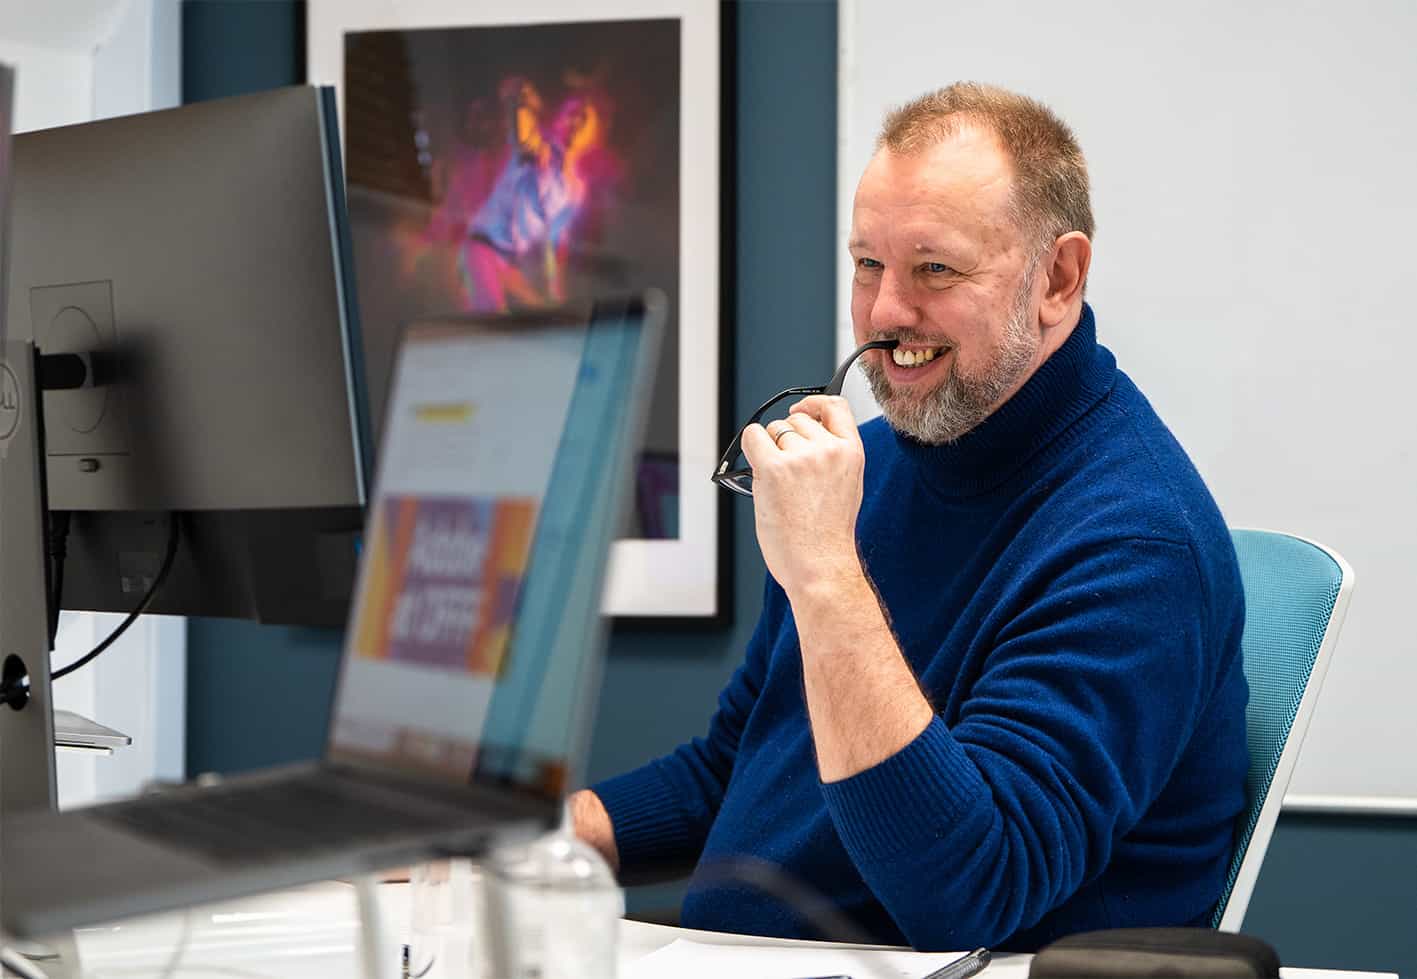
661, 812
1089, 695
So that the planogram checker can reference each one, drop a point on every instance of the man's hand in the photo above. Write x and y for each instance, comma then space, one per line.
592, 824
807, 473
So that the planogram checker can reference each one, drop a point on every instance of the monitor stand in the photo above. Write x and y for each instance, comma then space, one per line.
27, 779
29, 726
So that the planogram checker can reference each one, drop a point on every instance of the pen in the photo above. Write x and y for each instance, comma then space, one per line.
964, 967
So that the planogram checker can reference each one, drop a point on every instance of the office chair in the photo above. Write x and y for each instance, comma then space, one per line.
1296, 594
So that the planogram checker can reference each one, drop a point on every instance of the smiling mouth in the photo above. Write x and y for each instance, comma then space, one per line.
915, 357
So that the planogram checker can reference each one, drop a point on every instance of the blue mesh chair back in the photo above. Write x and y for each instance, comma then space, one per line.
1295, 595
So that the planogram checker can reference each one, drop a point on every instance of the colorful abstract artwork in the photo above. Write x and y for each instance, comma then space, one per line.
501, 168
541, 160
511, 156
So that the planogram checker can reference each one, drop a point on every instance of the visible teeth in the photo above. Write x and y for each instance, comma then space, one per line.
913, 358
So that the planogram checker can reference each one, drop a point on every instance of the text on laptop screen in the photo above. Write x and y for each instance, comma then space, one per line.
476, 617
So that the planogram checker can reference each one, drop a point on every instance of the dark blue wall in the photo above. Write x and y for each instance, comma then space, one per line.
231, 47
1335, 891
1340, 892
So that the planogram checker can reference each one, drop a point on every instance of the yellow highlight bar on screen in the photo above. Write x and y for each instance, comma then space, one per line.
453, 411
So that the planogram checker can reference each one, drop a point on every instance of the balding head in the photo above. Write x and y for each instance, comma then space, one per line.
1050, 191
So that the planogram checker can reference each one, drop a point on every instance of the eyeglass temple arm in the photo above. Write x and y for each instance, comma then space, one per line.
833, 387
737, 443
758, 415
839, 378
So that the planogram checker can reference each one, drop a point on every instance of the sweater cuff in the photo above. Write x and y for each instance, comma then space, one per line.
646, 817
910, 800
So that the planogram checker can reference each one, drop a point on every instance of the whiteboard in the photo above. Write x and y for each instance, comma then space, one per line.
1254, 180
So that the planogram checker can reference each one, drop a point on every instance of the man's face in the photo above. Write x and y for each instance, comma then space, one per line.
940, 265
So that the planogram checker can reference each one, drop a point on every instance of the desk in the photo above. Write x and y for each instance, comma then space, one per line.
638, 940
312, 933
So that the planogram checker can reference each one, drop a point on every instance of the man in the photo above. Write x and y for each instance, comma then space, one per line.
995, 695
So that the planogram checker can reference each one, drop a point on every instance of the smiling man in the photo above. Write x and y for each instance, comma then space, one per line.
995, 695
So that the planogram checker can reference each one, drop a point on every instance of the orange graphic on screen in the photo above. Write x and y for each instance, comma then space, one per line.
442, 580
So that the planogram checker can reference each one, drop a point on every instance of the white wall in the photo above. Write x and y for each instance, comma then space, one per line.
137, 66
52, 88
1253, 181
80, 60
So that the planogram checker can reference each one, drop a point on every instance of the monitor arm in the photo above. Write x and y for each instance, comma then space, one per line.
64, 372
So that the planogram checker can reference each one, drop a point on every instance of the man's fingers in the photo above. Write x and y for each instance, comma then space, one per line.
832, 411
757, 443
808, 427
782, 432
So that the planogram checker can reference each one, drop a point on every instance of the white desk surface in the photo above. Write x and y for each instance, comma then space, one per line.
312, 932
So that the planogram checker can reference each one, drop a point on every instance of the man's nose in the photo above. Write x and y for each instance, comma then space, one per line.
894, 306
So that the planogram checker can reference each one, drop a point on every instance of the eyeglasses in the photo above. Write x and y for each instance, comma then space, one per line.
733, 472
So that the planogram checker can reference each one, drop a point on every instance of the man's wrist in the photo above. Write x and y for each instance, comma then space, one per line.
831, 590
591, 822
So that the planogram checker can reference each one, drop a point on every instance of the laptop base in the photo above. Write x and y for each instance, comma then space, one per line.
98, 864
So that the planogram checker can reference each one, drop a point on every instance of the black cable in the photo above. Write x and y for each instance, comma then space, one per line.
58, 549
173, 533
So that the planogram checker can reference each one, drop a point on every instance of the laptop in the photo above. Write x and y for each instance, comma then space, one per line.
471, 660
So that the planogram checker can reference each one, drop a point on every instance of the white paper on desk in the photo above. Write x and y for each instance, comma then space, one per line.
684, 959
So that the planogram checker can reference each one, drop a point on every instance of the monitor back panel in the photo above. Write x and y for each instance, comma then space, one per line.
196, 250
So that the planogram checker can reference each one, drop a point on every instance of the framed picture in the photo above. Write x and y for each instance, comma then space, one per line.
510, 155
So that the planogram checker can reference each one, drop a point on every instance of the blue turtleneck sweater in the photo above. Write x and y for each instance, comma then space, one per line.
1065, 590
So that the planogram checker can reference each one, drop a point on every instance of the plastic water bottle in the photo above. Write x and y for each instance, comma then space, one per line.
553, 909
448, 908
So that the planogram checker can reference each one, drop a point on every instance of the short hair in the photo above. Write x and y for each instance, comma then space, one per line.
1050, 193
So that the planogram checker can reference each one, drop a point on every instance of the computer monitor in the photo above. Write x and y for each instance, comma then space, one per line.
199, 257
193, 261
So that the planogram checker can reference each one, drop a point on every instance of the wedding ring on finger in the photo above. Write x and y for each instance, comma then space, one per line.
780, 428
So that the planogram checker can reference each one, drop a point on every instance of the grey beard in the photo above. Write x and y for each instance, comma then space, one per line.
961, 401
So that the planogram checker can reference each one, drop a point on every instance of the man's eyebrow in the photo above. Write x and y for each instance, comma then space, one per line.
920, 248
934, 248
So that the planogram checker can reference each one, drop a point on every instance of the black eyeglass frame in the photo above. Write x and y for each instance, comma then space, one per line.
734, 479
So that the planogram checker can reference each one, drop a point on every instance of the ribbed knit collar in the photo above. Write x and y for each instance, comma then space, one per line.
1068, 383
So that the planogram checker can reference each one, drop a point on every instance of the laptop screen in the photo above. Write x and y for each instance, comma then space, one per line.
474, 648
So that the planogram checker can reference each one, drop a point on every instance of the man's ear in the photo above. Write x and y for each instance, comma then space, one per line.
1066, 273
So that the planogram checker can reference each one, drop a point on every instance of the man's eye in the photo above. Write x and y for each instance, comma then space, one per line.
870, 264
936, 268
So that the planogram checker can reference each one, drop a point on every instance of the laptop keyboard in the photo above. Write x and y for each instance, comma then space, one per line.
295, 817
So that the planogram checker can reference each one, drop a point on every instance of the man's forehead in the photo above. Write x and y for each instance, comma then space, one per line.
965, 178
938, 233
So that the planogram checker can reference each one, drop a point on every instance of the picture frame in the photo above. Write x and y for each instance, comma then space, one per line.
674, 567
